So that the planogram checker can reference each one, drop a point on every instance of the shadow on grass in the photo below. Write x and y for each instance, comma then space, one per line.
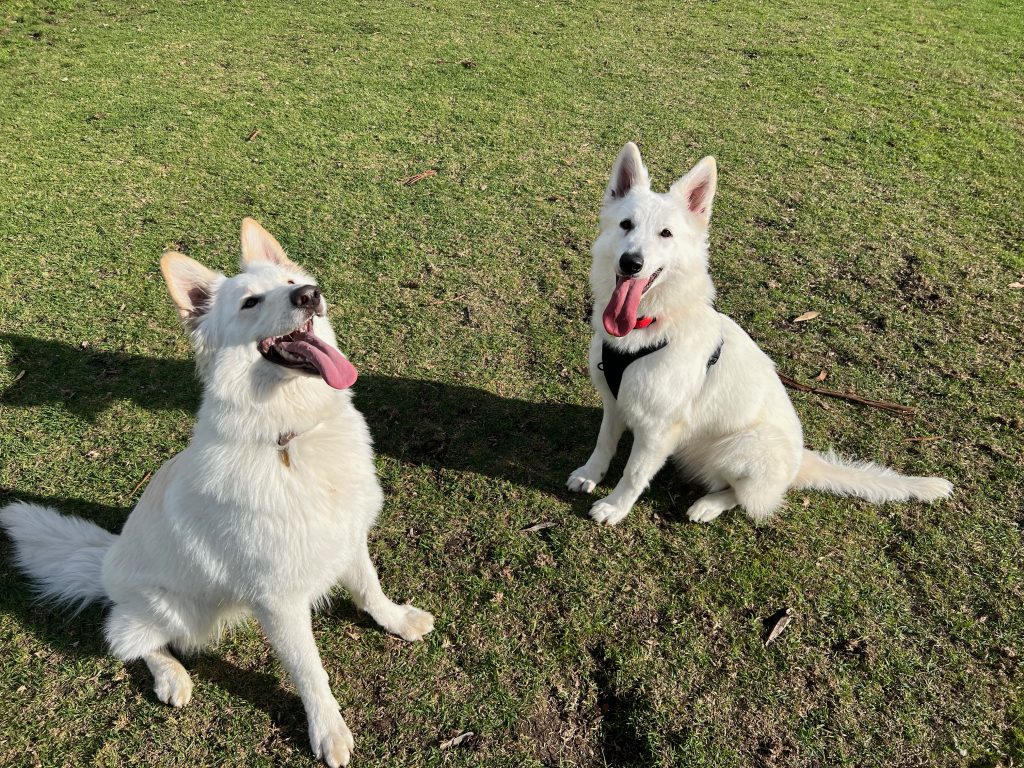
624, 714
419, 422
444, 426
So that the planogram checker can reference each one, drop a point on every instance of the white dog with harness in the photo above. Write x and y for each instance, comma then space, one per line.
684, 378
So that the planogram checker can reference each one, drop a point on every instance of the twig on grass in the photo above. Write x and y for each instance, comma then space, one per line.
139, 485
902, 410
416, 177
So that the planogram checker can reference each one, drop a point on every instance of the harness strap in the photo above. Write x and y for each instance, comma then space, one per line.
715, 355
614, 363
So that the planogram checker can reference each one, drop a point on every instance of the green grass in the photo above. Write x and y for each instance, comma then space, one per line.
870, 169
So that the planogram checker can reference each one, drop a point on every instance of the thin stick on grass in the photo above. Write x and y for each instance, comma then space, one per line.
417, 177
902, 410
139, 485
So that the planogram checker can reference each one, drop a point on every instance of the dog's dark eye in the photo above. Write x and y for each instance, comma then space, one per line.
251, 302
666, 233
626, 224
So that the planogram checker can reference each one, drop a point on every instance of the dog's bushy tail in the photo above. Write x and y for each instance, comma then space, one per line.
829, 472
63, 555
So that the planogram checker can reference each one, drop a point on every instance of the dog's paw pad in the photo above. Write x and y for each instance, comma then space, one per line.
583, 481
334, 745
607, 514
173, 687
415, 624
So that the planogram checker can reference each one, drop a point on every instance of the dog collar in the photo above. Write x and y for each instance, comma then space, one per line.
643, 322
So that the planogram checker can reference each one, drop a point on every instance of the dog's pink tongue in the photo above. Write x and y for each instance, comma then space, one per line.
620, 314
334, 368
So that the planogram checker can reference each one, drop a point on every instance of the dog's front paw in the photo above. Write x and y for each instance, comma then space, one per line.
607, 513
414, 624
331, 739
173, 686
584, 480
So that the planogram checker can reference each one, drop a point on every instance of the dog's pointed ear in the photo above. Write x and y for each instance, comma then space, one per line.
260, 245
627, 172
191, 285
696, 190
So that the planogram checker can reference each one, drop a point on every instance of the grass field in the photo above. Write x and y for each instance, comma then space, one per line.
870, 169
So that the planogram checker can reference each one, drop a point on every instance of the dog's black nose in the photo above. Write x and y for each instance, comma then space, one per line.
306, 296
631, 262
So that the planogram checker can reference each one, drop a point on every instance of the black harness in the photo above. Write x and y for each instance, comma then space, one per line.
614, 363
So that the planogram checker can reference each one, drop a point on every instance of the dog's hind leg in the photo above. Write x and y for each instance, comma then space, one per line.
131, 637
406, 621
760, 497
707, 508
757, 466
586, 478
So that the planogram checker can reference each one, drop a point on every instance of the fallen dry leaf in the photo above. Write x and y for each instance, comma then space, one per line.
821, 376
417, 177
18, 377
253, 134
806, 316
462, 738
1017, 285
778, 622
538, 526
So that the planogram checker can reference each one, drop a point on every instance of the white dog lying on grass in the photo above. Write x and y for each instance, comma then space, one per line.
264, 512
687, 380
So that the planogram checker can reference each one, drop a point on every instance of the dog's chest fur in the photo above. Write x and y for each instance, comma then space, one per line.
664, 386
243, 523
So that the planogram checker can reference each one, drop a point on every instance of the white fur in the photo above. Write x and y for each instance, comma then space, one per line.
732, 427
226, 528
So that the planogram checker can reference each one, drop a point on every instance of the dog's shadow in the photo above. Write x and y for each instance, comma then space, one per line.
415, 421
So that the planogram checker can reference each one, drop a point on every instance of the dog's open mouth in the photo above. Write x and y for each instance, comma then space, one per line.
304, 351
621, 313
